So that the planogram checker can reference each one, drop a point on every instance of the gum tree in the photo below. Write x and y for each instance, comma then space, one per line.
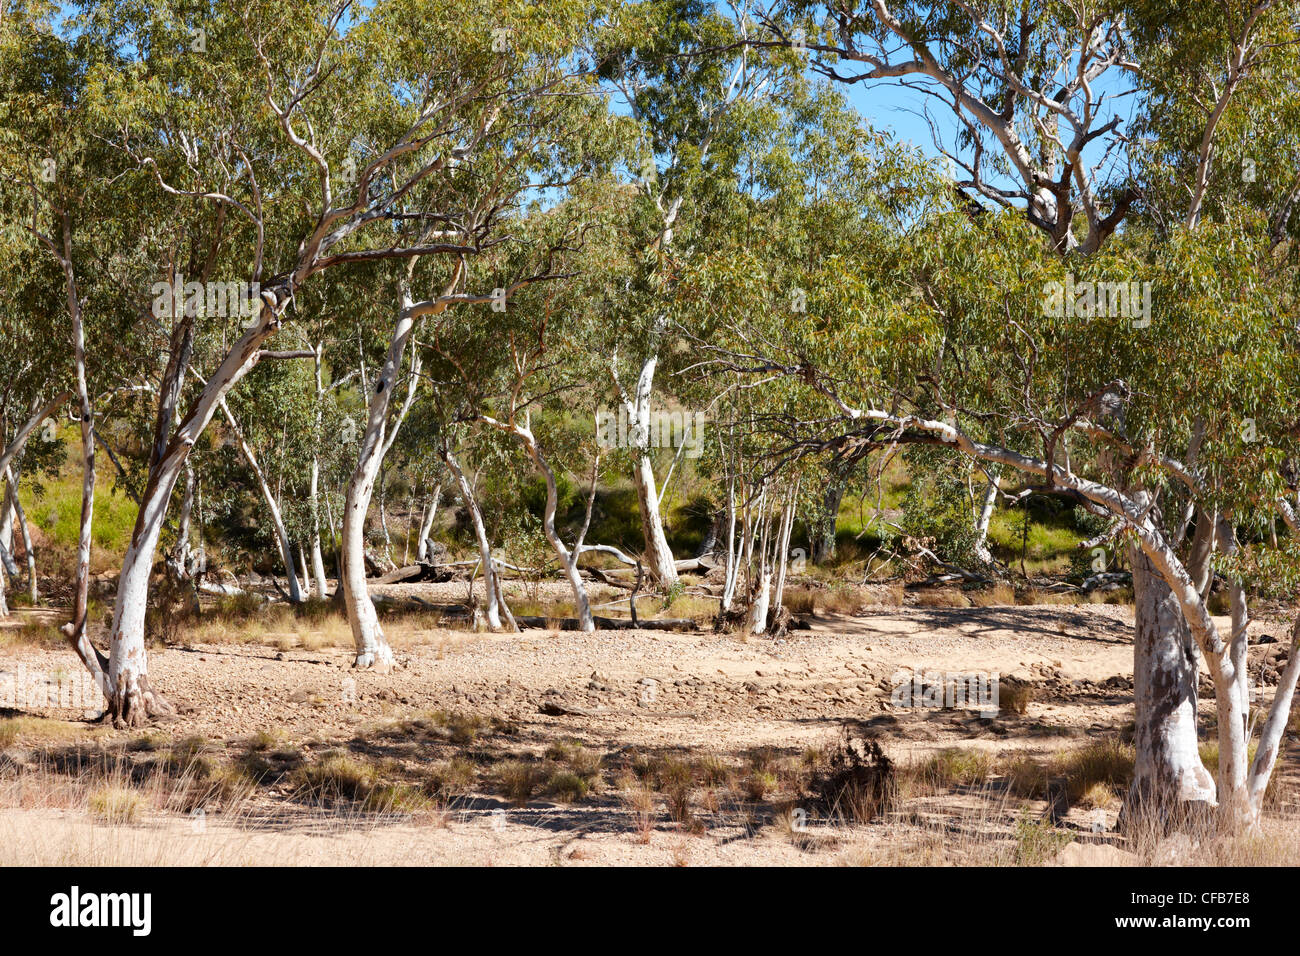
257, 146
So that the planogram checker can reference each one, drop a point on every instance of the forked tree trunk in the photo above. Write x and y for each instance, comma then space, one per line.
131, 698
1167, 768
783, 546
733, 565
658, 556
372, 649
425, 545
568, 559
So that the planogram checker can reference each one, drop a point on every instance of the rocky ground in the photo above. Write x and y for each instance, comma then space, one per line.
620, 695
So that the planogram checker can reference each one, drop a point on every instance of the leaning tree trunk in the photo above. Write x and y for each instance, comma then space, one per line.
491, 584
272, 507
131, 698
568, 559
1167, 771
658, 556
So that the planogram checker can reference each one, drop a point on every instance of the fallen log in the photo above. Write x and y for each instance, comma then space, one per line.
607, 623
419, 572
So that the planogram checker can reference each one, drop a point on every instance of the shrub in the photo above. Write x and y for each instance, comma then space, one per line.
857, 783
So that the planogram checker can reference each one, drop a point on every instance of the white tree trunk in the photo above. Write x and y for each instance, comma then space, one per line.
983, 518
372, 648
491, 584
783, 546
425, 548
317, 559
658, 556
7, 518
730, 573
1165, 672
756, 618
24, 531
75, 630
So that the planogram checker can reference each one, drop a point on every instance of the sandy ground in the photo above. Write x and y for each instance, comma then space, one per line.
616, 692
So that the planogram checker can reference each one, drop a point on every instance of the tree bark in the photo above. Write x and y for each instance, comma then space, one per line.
658, 556
425, 546
983, 518
491, 582
822, 545
25, 532
317, 559
372, 648
1168, 766
75, 630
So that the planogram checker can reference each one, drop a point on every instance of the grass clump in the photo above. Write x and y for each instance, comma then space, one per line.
956, 767
336, 775
1108, 763
115, 806
1014, 696
567, 787
519, 780
451, 778
1037, 841
1024, 777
